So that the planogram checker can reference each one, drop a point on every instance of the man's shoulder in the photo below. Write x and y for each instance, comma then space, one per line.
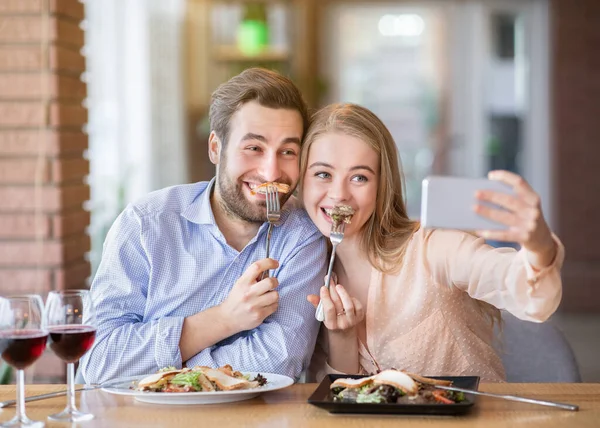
170, 199
297, 217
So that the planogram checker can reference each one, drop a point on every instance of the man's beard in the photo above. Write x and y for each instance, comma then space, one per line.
234, 202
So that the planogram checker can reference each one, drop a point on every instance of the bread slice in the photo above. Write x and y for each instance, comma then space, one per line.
228, 370
157, 377
205, 383
351, 383
262, 189
428, 380
223, 381
397, 379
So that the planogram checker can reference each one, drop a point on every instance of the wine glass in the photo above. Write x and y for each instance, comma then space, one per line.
23, 337
72, 328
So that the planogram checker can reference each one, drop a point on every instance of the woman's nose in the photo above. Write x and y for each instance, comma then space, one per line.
338, 192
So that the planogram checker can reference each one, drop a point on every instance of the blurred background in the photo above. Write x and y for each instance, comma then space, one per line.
106, 100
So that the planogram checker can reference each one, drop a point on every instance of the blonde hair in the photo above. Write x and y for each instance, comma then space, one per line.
388, 230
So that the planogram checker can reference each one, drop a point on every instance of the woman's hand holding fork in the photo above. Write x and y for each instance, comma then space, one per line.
342, 311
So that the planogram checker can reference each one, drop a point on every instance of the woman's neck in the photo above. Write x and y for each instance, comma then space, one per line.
350, 255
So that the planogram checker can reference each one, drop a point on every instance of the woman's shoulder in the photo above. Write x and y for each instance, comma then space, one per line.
435, 237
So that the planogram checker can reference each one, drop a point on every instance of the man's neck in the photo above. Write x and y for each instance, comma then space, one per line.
237, 232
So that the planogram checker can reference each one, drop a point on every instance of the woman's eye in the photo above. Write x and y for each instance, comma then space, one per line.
360, 178
323, 175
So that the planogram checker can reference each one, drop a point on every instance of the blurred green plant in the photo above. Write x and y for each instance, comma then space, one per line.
5, 373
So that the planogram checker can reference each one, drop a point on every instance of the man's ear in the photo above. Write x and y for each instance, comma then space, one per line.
214, 148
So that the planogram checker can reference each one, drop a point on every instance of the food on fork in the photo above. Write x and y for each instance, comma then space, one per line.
340, 213
198, 379
262, 188
394, 386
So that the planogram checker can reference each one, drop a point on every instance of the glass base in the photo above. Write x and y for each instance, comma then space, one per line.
24, 421
71, 416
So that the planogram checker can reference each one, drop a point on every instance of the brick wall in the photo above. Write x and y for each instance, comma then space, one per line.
43, 237
576, 128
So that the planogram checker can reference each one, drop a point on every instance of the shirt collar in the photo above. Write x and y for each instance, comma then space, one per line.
200, 211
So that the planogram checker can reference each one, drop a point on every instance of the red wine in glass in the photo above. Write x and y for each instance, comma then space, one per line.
71, 342
72, 327
23, 337
21, 348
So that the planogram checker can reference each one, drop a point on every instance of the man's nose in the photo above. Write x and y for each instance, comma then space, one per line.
269, 168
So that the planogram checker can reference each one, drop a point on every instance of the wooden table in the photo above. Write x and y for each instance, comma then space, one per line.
288, 408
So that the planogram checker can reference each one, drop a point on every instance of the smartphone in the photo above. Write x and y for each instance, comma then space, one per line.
447, 203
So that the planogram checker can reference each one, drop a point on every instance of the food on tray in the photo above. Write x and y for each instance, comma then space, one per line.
394, 386
199, 378
340, 214
262, 188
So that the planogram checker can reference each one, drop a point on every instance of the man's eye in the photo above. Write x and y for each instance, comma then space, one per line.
323, 175
289, 152
253, 148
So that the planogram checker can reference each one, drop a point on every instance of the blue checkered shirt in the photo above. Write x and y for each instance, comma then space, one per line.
165, 259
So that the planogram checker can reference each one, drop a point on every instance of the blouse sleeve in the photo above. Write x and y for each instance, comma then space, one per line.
502, 277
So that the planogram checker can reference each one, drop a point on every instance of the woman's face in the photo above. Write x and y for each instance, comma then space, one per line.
341, 169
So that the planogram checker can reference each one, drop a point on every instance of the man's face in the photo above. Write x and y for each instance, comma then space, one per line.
263, 146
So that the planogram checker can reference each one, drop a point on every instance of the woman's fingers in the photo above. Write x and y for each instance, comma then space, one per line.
358, 309
348, 306
335, 297
509, 235
504, 200
519, 184
499, 216
341, 310
313, 300
328, 309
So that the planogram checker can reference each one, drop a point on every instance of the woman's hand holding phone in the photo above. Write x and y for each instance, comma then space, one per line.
522, 213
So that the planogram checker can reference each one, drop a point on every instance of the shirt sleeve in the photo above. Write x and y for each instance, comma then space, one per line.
500, 276
125, 345
285, 341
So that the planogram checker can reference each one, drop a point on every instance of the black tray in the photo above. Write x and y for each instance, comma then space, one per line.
323, 398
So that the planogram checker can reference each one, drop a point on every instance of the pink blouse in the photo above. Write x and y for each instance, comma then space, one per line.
426, 318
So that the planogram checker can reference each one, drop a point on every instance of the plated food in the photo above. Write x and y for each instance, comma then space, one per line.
394, 386
262, 188
340, 214
199, 379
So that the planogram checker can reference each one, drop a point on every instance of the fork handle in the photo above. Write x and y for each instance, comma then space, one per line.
9, 403
265, 274
320, 315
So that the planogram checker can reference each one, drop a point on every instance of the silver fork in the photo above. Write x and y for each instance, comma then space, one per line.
335, 236
273, 216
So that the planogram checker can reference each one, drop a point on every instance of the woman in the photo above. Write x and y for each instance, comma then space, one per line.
420, 300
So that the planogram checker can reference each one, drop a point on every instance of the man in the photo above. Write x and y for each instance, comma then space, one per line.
179, 282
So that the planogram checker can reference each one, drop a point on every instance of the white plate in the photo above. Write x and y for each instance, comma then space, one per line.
122, 387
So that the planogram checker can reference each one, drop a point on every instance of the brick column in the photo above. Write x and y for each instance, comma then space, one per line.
576, 127
43, 237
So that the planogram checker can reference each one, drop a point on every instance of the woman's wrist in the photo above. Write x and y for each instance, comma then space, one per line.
343, 334
543, 258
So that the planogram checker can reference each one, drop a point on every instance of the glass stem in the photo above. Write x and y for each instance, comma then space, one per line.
71, 388
21, 395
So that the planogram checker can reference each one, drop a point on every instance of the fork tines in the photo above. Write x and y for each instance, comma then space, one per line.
273, 206
338, 228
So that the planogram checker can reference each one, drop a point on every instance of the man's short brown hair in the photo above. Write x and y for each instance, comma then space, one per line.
268, 88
